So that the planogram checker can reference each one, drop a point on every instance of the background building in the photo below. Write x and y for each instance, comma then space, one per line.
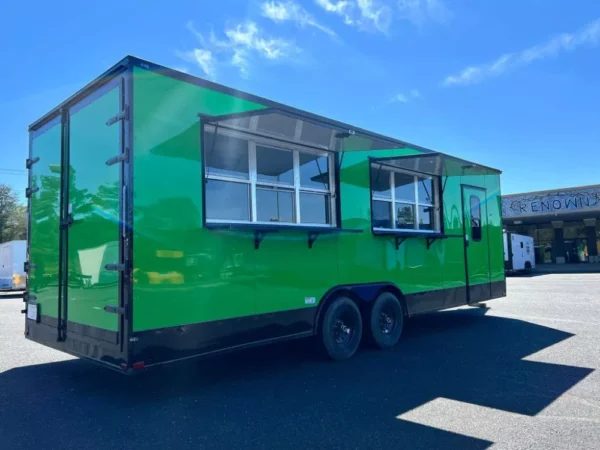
564, 223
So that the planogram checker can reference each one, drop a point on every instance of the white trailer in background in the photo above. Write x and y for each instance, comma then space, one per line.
12, 260
519, 254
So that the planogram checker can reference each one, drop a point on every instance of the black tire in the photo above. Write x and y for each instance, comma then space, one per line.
341, 329
386, 321
527, 267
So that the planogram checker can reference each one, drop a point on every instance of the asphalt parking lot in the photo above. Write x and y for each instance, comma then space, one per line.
522, 374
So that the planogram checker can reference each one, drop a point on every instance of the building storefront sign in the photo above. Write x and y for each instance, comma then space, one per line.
584, 199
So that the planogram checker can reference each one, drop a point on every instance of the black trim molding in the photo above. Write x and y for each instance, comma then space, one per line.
187, 341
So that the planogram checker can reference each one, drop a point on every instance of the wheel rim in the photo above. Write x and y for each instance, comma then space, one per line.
387, 320
343, 329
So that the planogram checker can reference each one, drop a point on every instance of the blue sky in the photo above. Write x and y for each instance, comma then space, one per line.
513, 84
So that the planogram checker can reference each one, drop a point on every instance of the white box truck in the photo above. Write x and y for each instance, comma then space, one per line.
519, 254
12, 260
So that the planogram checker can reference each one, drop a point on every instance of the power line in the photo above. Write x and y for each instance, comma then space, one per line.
10, 171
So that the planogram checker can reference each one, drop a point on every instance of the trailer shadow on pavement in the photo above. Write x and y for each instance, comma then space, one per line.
284, 396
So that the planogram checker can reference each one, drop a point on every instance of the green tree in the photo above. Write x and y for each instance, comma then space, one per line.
17, 225
12, 215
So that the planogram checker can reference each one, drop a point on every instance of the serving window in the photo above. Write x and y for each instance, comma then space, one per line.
404, 200
255, 179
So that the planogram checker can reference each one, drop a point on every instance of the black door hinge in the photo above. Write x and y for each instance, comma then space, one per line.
123, 115
119, 158
27, 297
31, 162
66, 223
27, 266
117, 267
29, 191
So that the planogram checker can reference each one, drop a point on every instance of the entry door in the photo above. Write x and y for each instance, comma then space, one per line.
477, 260
93, 215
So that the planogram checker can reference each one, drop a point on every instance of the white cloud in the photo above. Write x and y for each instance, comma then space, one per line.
422, 11
240, 60
589, 35
413, 94
280, 12
243, 34
399, 98
243, 42
342, 8
375, 14
378, 14
202, 58
364, 14
248, 36
290, 11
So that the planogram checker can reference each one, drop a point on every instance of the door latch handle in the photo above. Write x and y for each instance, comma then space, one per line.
114, 309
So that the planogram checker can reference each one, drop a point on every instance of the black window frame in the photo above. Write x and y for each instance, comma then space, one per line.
437, 227
333, 214
476, 226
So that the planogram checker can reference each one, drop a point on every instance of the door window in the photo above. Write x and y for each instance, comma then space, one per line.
475, 218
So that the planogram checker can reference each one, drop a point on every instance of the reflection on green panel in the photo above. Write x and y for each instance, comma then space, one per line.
182, 273
44, 225
185, 274
94, 199
454, 257
364, 258
494, 209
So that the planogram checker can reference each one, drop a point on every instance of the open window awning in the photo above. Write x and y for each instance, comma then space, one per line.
303, 129
435, 164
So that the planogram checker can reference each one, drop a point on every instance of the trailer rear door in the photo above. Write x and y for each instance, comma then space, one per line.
93, 214
44, 194
76, 251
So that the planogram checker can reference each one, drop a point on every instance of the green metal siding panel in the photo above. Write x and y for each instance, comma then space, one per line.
288, 273
365, 258
44, 220
185, 274
453, 249
182, 273
492, 183
94, 200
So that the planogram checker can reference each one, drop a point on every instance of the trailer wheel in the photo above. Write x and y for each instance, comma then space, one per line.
341, 329
527, 267
386, 320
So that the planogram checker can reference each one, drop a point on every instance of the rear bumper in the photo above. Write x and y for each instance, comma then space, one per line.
81, 344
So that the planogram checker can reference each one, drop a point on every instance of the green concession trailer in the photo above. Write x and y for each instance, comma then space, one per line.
171, 217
